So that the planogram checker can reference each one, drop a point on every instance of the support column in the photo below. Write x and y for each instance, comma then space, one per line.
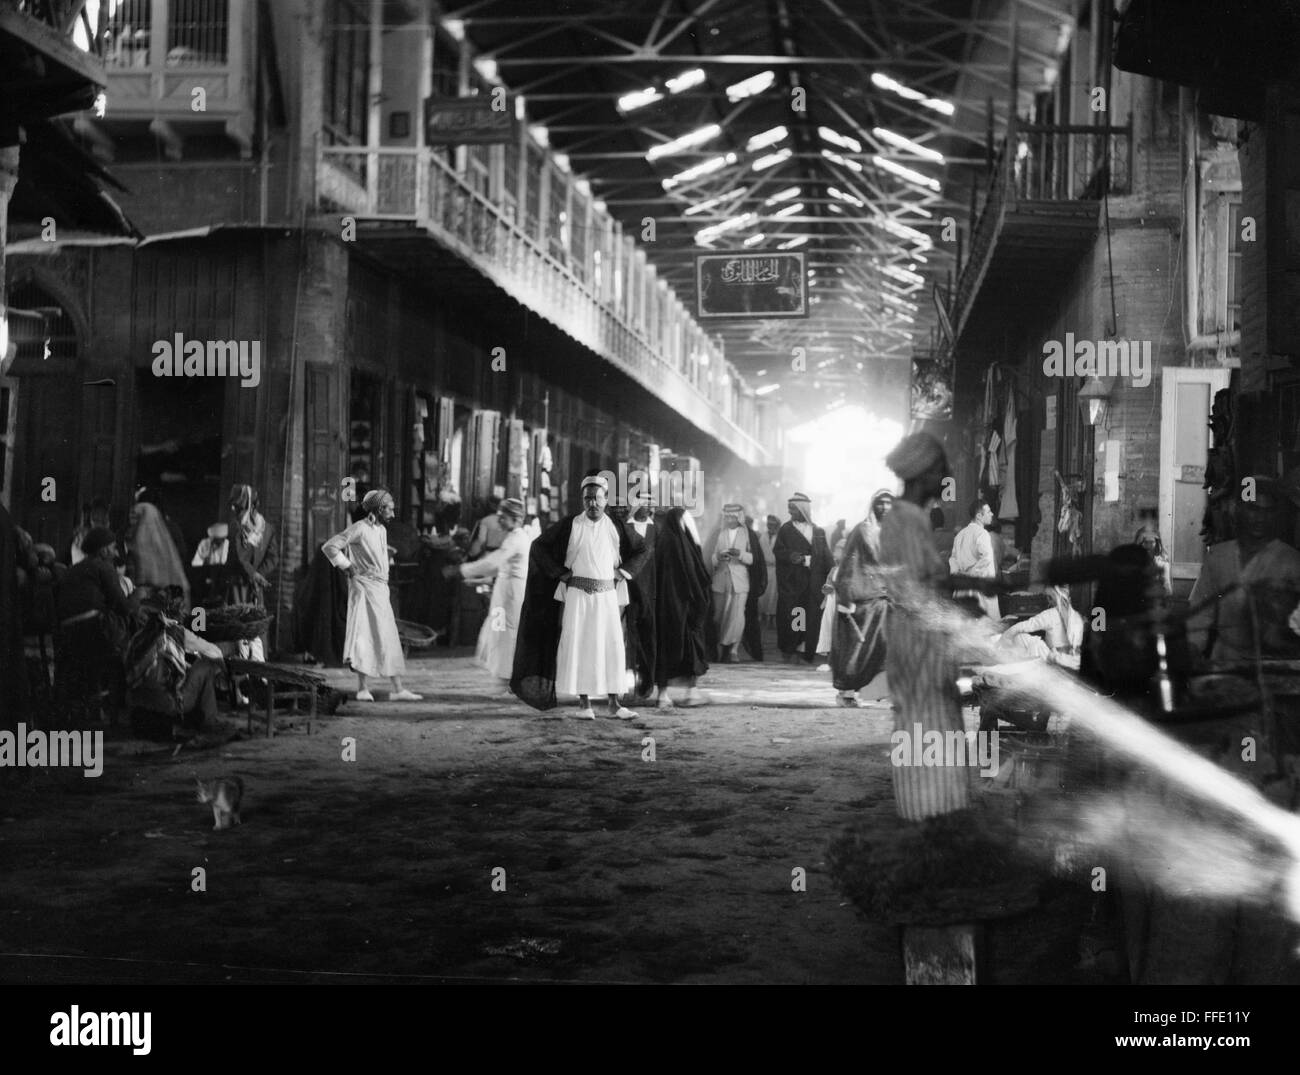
8, 180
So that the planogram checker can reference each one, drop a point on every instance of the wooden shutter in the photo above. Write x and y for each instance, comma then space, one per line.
326, 454
517, 458
242, 451
481, 465
446, 428
48, 448
100, 438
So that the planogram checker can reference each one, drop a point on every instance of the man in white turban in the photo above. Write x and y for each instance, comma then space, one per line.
577, 585
371, 645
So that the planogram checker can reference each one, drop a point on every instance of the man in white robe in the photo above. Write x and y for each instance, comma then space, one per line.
972, 555
591, 657
508, 563
371, 644
730, 564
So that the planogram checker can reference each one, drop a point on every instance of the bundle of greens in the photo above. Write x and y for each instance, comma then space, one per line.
230, 623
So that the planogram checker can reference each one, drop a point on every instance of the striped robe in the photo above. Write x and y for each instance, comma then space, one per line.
922, 671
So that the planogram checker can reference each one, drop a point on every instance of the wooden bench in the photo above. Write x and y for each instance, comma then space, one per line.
293, 682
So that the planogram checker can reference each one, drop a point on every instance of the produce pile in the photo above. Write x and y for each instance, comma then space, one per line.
229, 623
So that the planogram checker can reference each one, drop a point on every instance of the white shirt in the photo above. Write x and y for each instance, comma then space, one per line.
206, 555
972, 553
364, 546
593, 548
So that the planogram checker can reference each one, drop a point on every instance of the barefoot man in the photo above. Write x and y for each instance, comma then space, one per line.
371, 645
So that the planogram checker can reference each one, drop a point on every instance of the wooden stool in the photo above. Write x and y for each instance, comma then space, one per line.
293, 681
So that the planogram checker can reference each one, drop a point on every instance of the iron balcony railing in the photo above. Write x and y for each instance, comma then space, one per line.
416, 185
1038, 162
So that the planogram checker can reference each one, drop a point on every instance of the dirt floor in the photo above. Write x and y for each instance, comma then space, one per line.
616, 869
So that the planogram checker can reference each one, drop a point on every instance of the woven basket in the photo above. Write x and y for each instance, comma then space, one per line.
229, 630
416, 635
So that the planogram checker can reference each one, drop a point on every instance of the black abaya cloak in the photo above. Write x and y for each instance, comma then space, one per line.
320, 611
858, 639
639, 616
539, 621
799, 587
752, 639
682, 602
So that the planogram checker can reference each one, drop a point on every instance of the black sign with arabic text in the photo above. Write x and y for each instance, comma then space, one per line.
459, 121
743, 285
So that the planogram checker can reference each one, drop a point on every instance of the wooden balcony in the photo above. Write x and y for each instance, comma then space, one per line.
176, 69
1041, 213
417, 214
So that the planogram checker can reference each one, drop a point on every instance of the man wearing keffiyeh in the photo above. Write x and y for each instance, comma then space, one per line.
372, 645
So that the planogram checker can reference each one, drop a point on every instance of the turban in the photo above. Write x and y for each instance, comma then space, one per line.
799, 498
99, 538
733, 509
879, 495
915, 455
371, 501
513, 507
219, 531
595, 479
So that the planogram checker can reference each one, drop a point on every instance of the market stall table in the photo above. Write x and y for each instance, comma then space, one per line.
294, 683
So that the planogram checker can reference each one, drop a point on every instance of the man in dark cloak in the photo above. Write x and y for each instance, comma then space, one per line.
682, 607
540, 619
639, 616
320, 611
858, 637
803, 560
752, 639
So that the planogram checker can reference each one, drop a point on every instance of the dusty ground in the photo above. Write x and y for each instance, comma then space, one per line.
617, 869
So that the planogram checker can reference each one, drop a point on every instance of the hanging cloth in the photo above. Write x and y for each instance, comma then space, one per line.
1010, 507
995, 445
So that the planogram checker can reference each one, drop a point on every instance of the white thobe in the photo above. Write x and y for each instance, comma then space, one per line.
731, 584
591, 658
371, 644
972, 554
497, 637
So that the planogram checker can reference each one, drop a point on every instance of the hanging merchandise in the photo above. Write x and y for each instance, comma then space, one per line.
1070, 522
1010, 507
995, 446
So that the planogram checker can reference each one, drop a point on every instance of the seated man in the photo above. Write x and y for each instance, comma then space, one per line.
172, 672
92, 616
1063, 627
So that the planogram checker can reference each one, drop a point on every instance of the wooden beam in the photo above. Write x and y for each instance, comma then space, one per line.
54, 48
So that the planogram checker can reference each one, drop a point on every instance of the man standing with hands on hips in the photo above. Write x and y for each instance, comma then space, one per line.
371, 645
571, 630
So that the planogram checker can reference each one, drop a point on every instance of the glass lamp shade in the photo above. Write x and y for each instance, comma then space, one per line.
1094, 399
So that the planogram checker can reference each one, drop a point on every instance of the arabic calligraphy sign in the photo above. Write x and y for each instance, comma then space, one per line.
460, 121
736, 285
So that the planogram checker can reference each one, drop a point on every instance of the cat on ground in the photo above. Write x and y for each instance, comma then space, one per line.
224, 794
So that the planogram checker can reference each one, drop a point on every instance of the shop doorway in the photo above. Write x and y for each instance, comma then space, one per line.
179, 454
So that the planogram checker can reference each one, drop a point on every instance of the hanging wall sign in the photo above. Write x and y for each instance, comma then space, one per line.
744, 285
462, 121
